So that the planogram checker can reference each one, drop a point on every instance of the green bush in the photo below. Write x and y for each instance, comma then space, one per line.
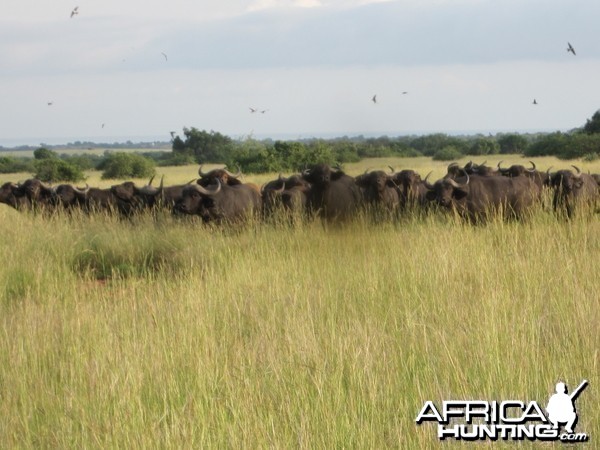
52, 170
449, 153
127, 165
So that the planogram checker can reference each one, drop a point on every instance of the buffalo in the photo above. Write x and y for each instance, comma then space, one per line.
39, 194
572, 190
221, 203
379, 191
411, 189
477, 197
12, 195
289, 194
333, 195
223, 175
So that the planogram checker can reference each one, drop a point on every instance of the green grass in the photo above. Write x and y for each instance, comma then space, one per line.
146, 334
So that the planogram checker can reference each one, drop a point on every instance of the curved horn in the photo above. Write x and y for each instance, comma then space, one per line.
193, 180
392, 169
532, 166
548, 171
427, 184
82, 191
208, 192
151, 180
233, 175
202, 174
499, 163
578, 174
459, 186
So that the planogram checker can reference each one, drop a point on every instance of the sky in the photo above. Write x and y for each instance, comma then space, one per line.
137, 70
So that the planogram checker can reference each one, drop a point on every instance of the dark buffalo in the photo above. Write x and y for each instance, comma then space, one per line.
596, 176
219, 202
540, 179
39, 194
12, 195
71, 197
148, 197
289, 194
333, 195
573, 190
379, 190
476, 197
411, 189
471, 168
223, 175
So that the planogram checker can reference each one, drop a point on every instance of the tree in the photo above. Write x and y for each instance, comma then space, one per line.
484, 146
127, 165
206, 146
592, 126
512, 143
449, 153
54, 169
44, 153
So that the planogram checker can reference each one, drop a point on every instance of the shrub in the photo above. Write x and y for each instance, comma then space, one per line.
449, 153
51, 170
127, 165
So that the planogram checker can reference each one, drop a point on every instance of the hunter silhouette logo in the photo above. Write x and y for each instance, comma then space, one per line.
472, 420
561, 406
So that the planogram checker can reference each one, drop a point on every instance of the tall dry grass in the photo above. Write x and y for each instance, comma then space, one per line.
161, 333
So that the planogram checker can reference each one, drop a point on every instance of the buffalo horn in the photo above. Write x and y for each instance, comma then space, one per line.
427, 184
202, 174
233, 175
533, 168
392, 169
208, 192
578, 174
82, 191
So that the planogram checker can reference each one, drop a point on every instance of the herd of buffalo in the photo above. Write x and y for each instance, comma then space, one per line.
474, 191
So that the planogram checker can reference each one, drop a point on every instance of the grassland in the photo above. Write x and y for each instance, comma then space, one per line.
162, 333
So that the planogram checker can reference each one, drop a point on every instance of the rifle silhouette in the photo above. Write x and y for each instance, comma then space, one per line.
578, 390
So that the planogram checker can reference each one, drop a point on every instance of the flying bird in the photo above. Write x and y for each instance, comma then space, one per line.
172, 134
571, 49
534, 102
404, 92
75, 11
165, 55
103, 125
374, 99
264, 111
252, 110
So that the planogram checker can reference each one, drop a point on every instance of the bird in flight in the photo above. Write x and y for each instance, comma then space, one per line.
404, 92
264, 111
75, 11
165, 55
374, 99
50, 103
103, 125
252, 110
534, 102
571, 49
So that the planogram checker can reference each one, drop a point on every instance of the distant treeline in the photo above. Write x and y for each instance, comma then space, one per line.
259, 156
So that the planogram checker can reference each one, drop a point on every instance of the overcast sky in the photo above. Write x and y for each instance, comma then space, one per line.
140, 69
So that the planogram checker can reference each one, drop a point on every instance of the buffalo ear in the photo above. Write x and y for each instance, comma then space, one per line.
459, 194
578, 184
430, 195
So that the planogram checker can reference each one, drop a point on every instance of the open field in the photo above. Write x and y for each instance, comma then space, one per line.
165, 333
